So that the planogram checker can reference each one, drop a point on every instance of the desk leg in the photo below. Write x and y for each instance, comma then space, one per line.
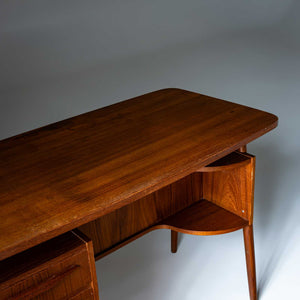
174, 239
243, 149
250, 260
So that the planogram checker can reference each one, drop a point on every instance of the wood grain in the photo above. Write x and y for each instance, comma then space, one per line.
233, 160
83, 295
116, 227
39, 290
250, 260
61, 268
228, 182
93, 289
233, 188
63, 175
203, 218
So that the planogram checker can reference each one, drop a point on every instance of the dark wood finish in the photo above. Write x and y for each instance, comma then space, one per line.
65, 244
122, 243
250, 260
91, 257
67, 174
174, 241
61, 268
44, 286
232, 189
84, 295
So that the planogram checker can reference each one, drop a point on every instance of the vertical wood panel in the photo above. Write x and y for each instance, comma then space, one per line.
232, 189
129, 220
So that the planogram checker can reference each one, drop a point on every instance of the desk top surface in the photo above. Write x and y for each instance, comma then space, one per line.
66, 174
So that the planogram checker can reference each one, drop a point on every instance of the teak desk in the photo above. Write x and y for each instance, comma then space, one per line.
92, 183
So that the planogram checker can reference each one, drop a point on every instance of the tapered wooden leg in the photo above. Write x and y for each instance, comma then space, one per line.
250, 260
174, 239
243, 149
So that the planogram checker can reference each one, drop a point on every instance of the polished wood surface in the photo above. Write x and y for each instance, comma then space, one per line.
250, 260
174, 241
233, 187
228, 183
114, 228
38, 291
203, 218
231, 161
64, 175
170, 159
93, 289
61, 268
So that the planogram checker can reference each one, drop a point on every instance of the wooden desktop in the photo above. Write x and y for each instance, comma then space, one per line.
86, 186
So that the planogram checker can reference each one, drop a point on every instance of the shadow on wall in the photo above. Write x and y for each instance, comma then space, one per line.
275, 213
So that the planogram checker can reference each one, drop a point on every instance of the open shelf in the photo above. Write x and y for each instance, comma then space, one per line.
200, 218
203, 218
215, 199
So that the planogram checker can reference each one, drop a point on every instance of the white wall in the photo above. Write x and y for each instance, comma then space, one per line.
62, 58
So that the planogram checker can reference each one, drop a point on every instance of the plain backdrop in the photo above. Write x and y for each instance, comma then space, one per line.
62, 58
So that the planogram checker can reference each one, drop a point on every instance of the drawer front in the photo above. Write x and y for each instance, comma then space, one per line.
63, 277
84, 295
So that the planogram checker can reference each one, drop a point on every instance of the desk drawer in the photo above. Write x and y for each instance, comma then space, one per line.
57, 269
84, 295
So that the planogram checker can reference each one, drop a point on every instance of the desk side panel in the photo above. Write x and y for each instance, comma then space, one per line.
232, 189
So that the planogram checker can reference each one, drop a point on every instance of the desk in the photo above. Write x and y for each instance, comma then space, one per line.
122, 170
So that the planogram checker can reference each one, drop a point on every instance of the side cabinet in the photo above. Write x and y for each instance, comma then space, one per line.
61, 268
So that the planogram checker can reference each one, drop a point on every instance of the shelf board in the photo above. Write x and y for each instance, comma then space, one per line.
203, 218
